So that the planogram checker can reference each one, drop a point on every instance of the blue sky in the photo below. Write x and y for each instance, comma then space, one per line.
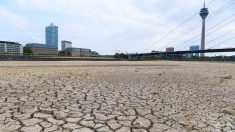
110, 26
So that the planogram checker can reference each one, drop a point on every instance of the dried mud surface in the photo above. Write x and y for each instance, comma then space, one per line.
146, 96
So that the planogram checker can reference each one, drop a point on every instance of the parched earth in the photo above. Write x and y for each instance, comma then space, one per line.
117, 96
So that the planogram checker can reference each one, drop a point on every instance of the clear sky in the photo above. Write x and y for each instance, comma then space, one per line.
110, 26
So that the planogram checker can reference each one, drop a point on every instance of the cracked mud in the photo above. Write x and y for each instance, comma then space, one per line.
117, 97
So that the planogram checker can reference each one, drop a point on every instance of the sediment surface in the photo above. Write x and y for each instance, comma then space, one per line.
117, 96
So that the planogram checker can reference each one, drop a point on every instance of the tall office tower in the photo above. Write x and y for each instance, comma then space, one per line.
52, 35
203, 13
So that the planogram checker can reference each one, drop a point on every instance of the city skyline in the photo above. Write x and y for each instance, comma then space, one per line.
113, 26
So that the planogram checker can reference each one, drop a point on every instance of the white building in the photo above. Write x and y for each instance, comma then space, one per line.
10, 47
65, 45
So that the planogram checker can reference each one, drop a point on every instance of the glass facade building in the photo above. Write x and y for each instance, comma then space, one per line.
52, 35
193, 48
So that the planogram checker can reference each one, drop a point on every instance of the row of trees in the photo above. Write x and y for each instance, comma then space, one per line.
120, 56
175, 57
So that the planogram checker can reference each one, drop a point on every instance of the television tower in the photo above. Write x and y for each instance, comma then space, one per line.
203, 13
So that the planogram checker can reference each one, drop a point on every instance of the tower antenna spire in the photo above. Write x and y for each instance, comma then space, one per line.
204, 3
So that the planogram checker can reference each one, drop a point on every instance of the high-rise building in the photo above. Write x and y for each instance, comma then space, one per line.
65, 45
52, 35
10, 47
203, 13
193, 48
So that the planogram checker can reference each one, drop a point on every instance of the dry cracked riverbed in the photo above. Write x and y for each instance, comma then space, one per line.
117, 96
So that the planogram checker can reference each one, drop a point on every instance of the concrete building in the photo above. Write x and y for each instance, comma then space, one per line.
85, 52
78, 52
170, 49
42, 49
65, 45
193, 48
10, 47
51, 33
68, 50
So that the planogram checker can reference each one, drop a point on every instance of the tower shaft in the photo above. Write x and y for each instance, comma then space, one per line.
203, 36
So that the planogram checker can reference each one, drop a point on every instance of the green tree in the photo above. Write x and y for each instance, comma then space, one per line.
120, 56
27, 50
